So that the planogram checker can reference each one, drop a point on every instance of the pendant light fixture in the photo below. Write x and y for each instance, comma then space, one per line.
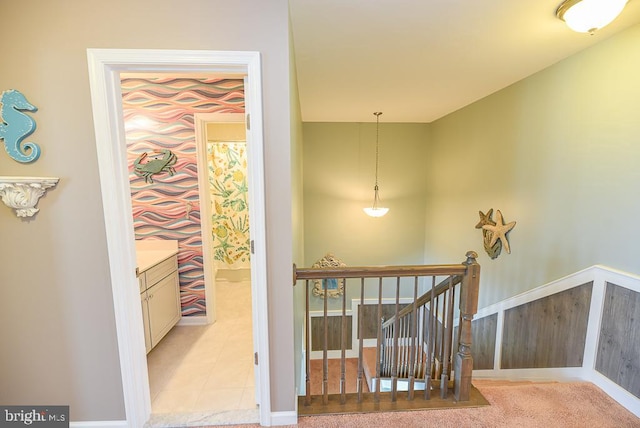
375, 210
587, 16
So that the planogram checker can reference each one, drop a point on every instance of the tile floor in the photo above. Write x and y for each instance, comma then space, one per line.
207, 368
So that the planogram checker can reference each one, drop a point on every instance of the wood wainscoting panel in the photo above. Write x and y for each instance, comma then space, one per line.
371, 323
334, 333
549, 332
618, 354
483, 342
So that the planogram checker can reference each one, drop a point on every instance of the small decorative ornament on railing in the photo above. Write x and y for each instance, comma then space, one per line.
23, 193
334, 287
15, 126
494, 234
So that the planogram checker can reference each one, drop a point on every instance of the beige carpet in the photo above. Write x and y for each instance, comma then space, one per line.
518, 405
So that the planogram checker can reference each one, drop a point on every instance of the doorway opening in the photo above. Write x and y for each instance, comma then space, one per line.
223, 149
105, 66
189, 188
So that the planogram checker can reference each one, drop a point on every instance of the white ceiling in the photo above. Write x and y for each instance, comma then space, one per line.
418, 60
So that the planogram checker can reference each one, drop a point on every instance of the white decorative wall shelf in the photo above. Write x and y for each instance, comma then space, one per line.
23, 193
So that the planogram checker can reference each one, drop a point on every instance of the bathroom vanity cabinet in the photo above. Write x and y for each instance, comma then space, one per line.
159, 293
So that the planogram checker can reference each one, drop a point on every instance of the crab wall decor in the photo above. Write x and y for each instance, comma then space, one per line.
162, 161
334, 287
494, 234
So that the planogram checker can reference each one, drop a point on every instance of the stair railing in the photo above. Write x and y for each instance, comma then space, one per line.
418, 340
416, 343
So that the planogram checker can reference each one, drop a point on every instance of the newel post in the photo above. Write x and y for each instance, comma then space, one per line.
463, 364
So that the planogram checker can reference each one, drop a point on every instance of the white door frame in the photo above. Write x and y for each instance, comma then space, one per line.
200, 121
105, 66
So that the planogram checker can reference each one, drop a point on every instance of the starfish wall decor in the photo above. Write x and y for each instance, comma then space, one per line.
494, 233
492, 251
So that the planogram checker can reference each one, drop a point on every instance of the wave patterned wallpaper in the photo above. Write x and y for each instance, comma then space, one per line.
158, 113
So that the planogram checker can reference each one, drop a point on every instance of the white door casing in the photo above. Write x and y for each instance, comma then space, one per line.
200, 122
105, 66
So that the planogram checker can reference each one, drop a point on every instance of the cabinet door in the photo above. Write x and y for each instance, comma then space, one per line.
164, 307
145, 321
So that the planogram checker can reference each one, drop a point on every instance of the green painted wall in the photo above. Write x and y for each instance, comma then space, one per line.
558, 152
339, 175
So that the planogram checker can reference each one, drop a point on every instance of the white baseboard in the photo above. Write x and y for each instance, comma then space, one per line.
284, 418
199, 320
99, 424
618, 393
560, 374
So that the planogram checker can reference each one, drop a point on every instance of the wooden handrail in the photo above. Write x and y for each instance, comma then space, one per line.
377, 271
425, 298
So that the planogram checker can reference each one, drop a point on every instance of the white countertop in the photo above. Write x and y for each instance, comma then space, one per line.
150, 252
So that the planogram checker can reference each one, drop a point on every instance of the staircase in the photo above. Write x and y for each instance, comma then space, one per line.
369, 368
415, 349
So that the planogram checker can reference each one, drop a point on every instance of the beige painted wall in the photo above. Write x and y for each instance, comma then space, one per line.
56, 314
559, 153
297, 208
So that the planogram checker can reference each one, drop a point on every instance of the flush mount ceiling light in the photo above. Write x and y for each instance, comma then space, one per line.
375, 210
587, 16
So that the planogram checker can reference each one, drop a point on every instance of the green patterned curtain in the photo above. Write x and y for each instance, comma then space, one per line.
227, 162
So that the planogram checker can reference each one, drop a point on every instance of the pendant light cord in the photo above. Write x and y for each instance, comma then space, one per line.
378, 113
376, 211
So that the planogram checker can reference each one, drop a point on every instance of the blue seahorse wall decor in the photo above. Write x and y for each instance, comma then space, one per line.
16, 126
